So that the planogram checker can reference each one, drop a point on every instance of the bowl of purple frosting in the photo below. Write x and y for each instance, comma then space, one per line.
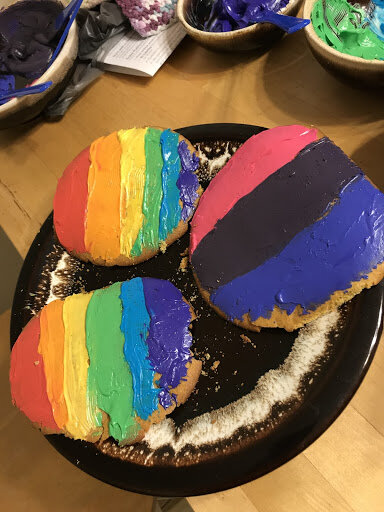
27, 43
228, 25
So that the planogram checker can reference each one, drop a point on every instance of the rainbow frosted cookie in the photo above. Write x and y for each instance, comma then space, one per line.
127, 196
106, 363
289, 229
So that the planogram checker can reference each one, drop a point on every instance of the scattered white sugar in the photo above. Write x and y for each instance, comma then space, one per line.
55, 278
274, 387
214, 164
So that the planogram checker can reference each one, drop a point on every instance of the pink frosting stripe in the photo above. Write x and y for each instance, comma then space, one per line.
259, 157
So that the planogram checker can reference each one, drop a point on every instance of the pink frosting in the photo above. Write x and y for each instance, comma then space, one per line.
250, 165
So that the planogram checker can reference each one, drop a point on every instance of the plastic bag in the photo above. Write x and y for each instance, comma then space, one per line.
95, 26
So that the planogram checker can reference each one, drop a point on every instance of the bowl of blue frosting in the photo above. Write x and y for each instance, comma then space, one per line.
347, 38
27, 42
226, 25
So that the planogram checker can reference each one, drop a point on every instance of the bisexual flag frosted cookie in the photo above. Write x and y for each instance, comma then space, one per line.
128, 195
287, 230
106, 363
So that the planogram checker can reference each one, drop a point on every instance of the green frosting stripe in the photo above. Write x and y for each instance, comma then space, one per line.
148, 236
109, 377
351, 35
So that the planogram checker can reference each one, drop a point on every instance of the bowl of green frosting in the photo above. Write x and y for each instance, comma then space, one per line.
342, 38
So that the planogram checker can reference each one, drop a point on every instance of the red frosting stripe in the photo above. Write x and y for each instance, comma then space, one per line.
252, 163
27, 378
70, 203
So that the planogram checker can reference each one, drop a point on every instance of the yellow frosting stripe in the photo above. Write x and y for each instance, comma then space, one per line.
132, 168
51, 347
76, 364
102, 228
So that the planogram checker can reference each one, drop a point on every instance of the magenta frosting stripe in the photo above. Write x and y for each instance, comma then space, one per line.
259, 157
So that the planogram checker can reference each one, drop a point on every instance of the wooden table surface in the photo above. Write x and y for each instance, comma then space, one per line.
344, 469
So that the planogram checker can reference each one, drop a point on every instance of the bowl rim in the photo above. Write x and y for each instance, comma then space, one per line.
72, 35
316, 40
232, 33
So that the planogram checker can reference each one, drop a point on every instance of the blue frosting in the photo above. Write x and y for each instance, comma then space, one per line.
188, 182
344, 246
170, 211
135, 323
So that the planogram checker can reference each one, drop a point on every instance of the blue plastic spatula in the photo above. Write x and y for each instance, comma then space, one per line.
256, 13
71, 13
289, 24
65, 14
33, 89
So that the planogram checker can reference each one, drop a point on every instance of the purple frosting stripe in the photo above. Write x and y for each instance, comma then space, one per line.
341, 247
169, 339
187, 182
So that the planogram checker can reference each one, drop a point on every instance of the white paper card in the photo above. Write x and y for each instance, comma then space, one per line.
135, 55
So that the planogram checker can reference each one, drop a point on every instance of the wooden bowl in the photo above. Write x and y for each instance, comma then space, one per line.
25, 108
355, 71
259, 35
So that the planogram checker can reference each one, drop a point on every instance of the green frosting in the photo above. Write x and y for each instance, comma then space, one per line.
354, 36
149, 234
109, 377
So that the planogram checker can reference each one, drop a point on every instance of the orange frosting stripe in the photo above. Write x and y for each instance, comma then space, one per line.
51, 347
102, 230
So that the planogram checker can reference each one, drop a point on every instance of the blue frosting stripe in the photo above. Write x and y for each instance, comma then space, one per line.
169, 339
344, 246
170, 211
135, 323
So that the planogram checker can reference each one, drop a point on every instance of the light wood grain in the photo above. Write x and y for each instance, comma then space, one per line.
344, 469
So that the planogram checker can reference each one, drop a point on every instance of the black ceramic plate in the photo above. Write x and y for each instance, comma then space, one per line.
233, 362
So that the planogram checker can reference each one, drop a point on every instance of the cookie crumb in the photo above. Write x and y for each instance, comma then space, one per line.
36, 363
163, 246
185, 253
245, 338
215, 365
207, 356
183, 264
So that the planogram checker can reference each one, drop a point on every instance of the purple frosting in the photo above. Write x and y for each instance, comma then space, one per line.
343, 246
187, 182
7, 84
169, 339
27, 31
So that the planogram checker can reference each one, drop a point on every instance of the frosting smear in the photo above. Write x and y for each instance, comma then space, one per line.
123, 197
352, 34
109, 358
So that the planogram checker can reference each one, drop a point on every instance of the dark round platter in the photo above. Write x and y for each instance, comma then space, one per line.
246, 455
